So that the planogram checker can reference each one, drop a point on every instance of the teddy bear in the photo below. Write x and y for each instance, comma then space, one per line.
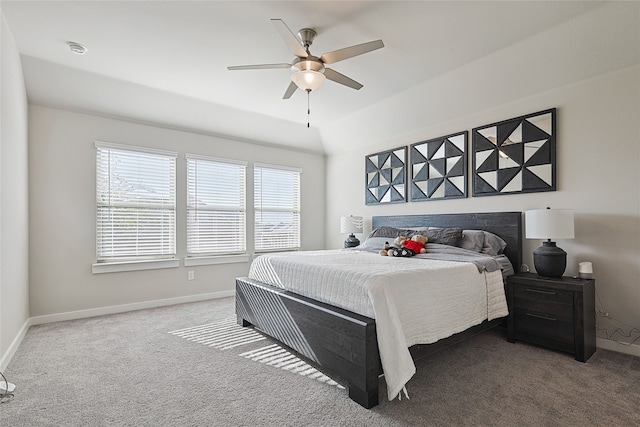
407, 247
387, 250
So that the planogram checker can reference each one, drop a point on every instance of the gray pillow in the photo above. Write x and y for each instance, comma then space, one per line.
393, 232
444, 236
472, 240
493, 245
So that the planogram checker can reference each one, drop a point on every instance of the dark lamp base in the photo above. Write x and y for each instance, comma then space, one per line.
351, 242
550, 260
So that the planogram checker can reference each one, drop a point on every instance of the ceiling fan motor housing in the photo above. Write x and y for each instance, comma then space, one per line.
311, 62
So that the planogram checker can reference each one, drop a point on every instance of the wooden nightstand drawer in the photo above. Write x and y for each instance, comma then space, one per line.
544, 326
551, 302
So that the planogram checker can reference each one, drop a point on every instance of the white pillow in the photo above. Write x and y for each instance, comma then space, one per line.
375, 243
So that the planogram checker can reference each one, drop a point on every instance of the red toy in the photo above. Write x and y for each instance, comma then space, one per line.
406, 247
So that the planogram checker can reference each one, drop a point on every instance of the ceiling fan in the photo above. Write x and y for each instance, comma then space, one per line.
308, 71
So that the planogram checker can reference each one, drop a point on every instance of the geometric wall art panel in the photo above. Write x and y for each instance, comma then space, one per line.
516, 155
438, 168
386, 177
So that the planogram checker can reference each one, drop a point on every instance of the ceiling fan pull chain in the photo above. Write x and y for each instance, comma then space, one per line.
308, 109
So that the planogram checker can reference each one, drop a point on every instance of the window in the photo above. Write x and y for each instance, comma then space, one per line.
277, 207
136, 203
216, 215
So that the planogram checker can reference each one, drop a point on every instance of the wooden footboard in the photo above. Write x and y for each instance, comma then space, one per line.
338, 342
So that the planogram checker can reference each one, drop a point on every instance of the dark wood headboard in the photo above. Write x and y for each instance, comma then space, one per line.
507, 225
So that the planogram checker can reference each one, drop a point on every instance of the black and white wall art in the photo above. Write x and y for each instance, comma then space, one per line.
516, 155
386, 177
439, 168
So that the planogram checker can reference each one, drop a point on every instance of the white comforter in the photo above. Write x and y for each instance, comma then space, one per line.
414, 301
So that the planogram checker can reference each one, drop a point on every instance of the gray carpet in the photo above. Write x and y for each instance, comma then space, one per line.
153, 368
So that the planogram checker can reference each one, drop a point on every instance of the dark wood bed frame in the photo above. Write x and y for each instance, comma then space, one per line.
343, 344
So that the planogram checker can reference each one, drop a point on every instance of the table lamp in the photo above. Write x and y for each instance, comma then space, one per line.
549, 260
350, 225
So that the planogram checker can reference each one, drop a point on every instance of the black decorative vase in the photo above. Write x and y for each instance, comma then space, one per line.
549, 260
351, 242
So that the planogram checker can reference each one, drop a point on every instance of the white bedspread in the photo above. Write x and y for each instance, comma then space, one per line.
414, 301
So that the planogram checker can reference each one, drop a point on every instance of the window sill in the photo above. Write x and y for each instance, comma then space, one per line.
211, 260
114, 267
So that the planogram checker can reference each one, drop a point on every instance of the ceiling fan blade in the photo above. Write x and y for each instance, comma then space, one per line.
341, 78
289, 38
290, 90
258, 67
350, 52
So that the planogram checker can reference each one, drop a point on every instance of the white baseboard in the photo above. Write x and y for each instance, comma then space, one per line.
101, 311
6, 358
81, 314
633, 349
605, 344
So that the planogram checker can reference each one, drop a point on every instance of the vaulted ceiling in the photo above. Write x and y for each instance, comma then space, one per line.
165, 62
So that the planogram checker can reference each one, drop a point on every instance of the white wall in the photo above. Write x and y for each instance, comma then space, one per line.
14, 250
593, 82
62, 197
589, 69
598, 155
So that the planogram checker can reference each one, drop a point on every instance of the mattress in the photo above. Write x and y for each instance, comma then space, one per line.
414, 300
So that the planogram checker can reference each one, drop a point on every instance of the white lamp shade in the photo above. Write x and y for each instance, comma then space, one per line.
351, 224
549, 224
308, 79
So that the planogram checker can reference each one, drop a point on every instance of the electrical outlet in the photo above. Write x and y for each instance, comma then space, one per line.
191, 275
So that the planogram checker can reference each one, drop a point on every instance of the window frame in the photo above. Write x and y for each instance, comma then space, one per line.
126, 262
216, 257
295, 210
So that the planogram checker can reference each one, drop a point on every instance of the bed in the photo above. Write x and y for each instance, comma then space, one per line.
342, 343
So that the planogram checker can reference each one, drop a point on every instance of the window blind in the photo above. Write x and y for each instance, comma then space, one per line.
277, 208
216, 214
136, 203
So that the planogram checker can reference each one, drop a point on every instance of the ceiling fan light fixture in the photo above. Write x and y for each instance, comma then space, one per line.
308, 79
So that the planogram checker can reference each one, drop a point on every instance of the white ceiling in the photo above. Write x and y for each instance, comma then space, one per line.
164, 62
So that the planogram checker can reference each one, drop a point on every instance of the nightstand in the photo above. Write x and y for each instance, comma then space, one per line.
557, 313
